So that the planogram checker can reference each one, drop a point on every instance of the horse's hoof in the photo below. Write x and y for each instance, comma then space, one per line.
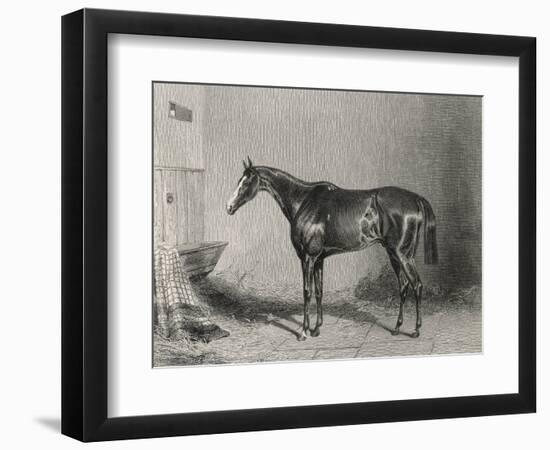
415, 334
316, 332
395, 332
302, 336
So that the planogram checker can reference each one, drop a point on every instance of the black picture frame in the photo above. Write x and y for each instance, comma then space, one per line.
84, 224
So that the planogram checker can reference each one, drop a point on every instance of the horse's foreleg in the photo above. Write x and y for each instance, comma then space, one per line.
318, 281
307, 271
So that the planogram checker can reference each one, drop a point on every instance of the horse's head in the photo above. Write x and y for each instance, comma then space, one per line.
247, 188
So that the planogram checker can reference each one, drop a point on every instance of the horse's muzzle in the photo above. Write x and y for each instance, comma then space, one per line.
230, 210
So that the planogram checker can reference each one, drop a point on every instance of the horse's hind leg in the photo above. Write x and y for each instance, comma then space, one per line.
403, 288
404, 253
409, 268
318, 281
307, 271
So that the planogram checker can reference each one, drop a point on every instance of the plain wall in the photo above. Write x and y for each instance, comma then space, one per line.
429, 144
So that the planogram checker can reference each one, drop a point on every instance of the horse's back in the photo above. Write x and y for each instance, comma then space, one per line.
341, 215
390, 198
397, 196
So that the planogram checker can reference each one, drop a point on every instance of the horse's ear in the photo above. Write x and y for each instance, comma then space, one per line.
249, 162
244, 164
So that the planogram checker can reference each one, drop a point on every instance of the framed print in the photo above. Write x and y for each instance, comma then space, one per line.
274, 224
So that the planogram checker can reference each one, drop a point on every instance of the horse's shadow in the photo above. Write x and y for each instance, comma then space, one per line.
285, 327
248, 307
367, 318
391, 329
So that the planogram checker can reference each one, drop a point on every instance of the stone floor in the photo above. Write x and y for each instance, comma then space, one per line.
275, 338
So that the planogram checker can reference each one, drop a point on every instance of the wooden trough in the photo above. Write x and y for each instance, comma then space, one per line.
200, 258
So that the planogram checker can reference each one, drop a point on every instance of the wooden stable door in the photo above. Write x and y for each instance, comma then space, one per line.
178, 205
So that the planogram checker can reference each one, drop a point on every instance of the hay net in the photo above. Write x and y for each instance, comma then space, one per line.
178, 313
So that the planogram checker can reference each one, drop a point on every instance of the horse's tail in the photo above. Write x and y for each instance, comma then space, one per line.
431, 255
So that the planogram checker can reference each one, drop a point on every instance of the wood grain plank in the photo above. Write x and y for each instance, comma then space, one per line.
158, 210
182, 231
170, 209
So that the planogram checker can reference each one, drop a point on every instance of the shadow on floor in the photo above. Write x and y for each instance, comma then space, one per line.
247, 306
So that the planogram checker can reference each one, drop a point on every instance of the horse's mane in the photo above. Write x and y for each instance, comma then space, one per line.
292, 178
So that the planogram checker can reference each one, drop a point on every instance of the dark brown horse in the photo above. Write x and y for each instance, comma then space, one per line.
326, 220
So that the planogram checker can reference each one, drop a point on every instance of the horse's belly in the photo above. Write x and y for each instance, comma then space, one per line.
341, 240
354, 232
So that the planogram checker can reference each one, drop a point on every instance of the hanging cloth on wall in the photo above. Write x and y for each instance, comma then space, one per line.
179, 314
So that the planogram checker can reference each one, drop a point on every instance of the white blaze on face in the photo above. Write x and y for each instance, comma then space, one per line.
235, 195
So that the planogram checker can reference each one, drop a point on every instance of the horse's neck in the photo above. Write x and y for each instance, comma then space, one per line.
289, 192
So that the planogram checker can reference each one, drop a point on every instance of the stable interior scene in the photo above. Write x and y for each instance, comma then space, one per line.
304, 224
